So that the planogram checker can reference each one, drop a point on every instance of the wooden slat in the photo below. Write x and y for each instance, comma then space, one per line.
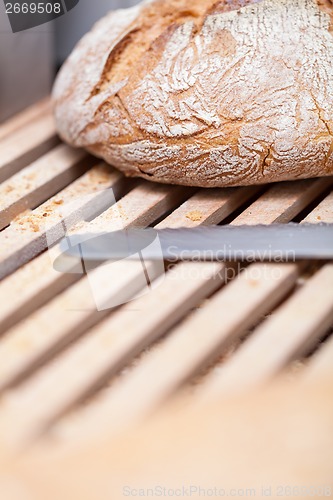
140, 207
211, 206
26, 145
186, 350
284, 201
290, 333
39, 181
323, 212
68, 315
35, 283
24, 118
320, 365
130, 210
25, 238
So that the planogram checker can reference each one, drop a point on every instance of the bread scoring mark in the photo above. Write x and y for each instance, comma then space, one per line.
152, 26
112, 60
155, 19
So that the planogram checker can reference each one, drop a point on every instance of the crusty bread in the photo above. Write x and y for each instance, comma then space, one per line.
204, 92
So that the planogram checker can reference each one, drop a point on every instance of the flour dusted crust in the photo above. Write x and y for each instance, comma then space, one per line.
205, 93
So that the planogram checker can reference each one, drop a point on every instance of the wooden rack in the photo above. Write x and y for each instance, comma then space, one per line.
69, 372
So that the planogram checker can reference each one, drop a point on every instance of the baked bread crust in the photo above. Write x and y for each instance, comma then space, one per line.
205, 93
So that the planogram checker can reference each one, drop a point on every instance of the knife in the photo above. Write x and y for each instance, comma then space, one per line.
277, 242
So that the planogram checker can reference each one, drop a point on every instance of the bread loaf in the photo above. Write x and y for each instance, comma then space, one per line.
204, 92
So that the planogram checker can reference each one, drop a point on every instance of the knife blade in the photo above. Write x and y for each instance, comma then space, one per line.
277, 242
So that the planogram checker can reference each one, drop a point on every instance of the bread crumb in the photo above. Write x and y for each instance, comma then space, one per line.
318, 218
34, 226
194, 216
121, 211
